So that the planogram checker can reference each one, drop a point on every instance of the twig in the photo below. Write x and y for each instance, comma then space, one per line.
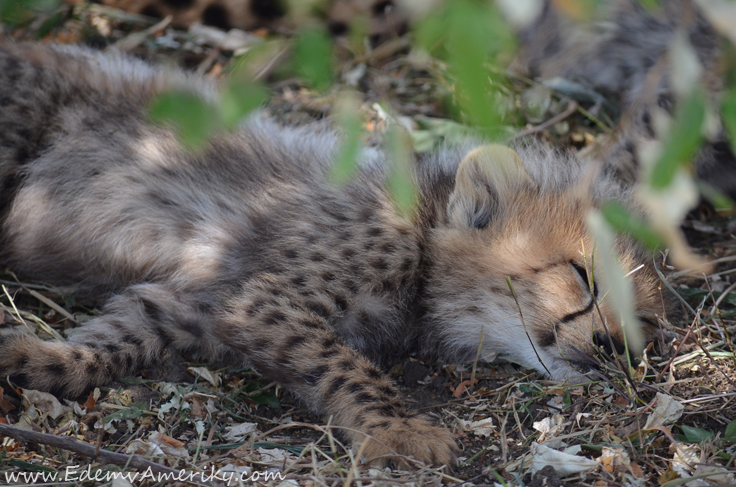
102, 456
521, 316
137, 38
571, 108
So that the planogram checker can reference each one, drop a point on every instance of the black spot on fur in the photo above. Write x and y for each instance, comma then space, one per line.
381, 8
317, 257
347, 364
152, 310
329, 343
274, 318
318, 308
328, 276
133, 339
77, 355
546, 338
92, 368
315, 375
329, 353
341, 303
364, 398
291, 254
21, 361
373, 373
111, 348
216, 16
55, 369
387, 410
129, 362
355, 388
379, 264
336, 384
312, 323
298, 281
179, 4
152, 11
267, 9
338, 28
294, 341
375, 231
262, 343
388, 248
193, 328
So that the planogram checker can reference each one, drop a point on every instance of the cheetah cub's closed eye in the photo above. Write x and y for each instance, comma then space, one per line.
245, 252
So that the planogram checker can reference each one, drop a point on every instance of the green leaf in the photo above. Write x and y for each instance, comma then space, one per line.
239, 100
15, 12
728, 112
401, 182
346, 162
135, 410
721, 202
194, 119
268, 399
623, 221
695, 435
469, 34
682, 142
730, 434
313, 57
270, 445
620, 293
29, 467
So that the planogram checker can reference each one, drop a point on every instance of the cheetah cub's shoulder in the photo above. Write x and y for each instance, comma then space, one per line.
245, 251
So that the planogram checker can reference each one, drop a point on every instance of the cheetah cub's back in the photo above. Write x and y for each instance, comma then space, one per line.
245, 252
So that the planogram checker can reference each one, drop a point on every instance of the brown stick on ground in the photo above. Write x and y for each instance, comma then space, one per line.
103, 456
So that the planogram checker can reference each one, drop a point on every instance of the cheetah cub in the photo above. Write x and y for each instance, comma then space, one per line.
246, 252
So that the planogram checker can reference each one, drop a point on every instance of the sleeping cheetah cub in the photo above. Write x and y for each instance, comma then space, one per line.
246, 252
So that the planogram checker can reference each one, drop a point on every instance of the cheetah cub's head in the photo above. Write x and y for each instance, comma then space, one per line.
508, 218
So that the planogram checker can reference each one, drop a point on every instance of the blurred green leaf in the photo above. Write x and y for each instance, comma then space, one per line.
15, 12
695, 435
650, 4
730, 434
682, 142
620, 291
721, 202
194, 119
346, 162
728, 111
468, 35
623, 221
268, 399
239, 100
401, 182
254, 392
133, 411
270, 445
29, 467
313, 57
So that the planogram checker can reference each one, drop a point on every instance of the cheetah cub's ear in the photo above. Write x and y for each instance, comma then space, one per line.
484, 179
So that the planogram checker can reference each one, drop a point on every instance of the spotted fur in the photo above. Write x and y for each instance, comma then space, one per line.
244, 252
381, 19
624, 54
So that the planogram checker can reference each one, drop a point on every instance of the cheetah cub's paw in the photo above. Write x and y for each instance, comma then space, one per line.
398, 440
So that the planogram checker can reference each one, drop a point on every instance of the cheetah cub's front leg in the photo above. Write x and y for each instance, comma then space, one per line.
294, 346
